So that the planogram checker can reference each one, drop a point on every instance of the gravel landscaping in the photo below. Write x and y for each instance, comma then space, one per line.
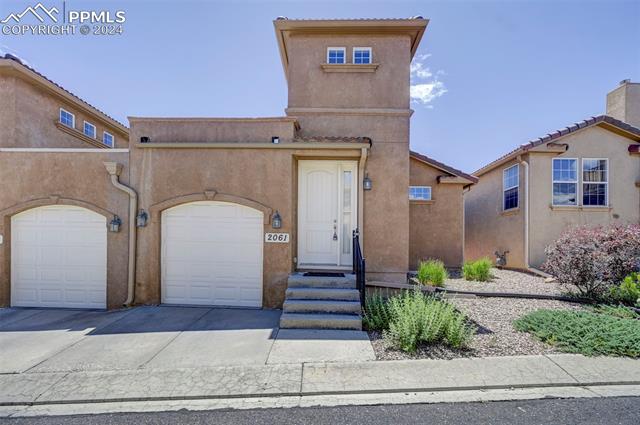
493, 317
496, 335
507, 281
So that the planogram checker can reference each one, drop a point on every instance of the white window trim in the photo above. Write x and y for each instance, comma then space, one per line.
113, 139
344, 51
95, 130
577, 183
504, 189
421, 199
73, 118
606, 183
353, 55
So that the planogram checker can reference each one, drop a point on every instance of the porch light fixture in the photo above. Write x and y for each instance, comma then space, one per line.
366, 183
145, 139
114, 224
275, 139
276, 220
142, 218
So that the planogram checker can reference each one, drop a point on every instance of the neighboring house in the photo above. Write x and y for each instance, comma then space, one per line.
56, 199
587, 173
211, 191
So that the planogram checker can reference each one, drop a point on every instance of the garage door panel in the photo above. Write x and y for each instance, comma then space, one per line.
212, 255
59, 258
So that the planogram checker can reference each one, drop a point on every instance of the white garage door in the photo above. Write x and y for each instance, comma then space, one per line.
212, 254
59, 258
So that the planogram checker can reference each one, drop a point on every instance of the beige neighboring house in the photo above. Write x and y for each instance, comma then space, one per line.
587, 173
222, 211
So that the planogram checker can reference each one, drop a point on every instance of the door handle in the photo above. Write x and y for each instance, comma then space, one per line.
335, 231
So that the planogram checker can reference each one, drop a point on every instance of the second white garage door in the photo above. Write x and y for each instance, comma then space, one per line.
212, 255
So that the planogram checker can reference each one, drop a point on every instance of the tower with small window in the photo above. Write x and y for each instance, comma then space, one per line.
350, 78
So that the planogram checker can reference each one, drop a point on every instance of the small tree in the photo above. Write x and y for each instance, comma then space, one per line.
594, 258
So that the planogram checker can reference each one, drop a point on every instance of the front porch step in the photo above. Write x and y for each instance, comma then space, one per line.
320, 321
298, 280
339, 294
321, 306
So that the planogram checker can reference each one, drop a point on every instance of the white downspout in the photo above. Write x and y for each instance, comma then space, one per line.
525, 165
114, 169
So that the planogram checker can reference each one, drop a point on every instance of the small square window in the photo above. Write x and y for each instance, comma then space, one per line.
419, 193
362, 55
67, 118
107, 139
89, 130
335, 55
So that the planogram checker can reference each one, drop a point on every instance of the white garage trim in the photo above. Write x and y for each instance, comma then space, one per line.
212, 254
59, 258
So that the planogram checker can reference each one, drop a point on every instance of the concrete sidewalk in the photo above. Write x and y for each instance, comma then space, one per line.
318, 379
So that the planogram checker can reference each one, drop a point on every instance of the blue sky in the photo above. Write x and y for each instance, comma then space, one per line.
505, 71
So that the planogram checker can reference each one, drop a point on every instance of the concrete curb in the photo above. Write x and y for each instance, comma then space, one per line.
339, 379
321, 393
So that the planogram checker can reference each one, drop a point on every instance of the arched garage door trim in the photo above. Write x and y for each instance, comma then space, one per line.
150, 238
55, 199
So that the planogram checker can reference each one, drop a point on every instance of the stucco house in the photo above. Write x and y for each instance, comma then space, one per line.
229, 211
587, 173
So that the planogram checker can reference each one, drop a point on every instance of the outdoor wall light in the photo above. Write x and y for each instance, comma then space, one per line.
366, 183
114, 224
142, 218
145, 139
275, 139
276, 220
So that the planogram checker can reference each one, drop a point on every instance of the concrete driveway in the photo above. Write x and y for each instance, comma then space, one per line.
53, 340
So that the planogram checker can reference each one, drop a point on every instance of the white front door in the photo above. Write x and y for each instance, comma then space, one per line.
59, 258
327, 213
212, 254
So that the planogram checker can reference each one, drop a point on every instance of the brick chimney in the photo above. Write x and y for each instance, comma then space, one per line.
623, 103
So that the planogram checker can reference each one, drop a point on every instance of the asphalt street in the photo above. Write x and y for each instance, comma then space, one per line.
610, 411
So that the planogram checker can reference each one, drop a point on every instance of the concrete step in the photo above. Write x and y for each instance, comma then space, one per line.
340, 294
320, 321
298, 280
321, 306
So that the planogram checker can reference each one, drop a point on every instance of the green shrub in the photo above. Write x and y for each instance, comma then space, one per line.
616, 311
376, 313
628, 292
417, 318
432, 272
584, 332
479, 270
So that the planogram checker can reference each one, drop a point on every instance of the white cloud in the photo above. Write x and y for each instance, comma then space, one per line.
425, 93
425, 85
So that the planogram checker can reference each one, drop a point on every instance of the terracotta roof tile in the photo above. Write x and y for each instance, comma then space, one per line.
331, 139
11, 57
442, 166
563, 132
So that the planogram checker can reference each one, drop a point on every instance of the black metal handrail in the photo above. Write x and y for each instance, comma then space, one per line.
359, 267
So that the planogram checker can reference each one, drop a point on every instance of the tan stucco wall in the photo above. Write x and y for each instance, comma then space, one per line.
374, 105
546, 224
31, 112
435, 227
312, 87
487, 227
35, 179
623, 103
169, 176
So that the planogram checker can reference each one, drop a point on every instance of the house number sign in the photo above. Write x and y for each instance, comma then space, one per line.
276, 237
